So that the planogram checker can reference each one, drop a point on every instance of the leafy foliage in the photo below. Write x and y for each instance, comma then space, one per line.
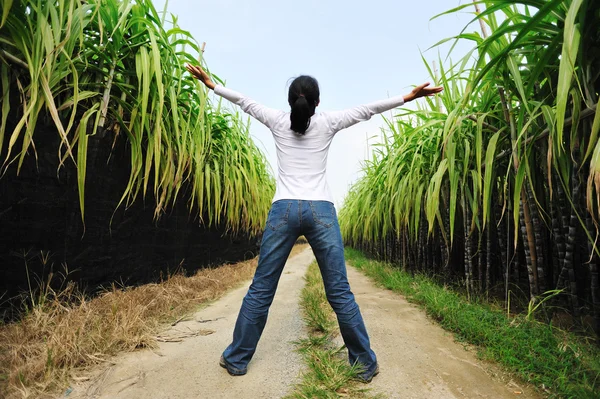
497, 160
111, 68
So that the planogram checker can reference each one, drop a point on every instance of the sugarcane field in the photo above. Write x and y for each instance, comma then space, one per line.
181, 216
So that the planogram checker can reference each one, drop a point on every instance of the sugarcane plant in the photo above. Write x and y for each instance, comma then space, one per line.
113, 69
502, 171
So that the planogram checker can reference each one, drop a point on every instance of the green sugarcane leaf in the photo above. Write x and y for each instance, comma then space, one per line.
6, 6
572, 36
82, 147
593, 133
490, 156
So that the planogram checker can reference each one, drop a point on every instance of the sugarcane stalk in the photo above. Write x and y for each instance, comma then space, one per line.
417, 250
404, 252
480, 263
415, 254
427, 247
445, 250
445, 231
391, 247
420, 248
481, 23
567, 273
524, 214
569, 256
539, 241
488, 260
434, 251
409, 254
564, 224
398, 249
593, 268
468, 249
431, 250
528, 244
424, 244
558, 249
502, 242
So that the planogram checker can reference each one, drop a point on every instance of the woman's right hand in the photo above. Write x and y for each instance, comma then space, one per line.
200, 74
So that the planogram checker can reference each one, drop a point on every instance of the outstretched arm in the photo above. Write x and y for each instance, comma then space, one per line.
343, 119
265, 115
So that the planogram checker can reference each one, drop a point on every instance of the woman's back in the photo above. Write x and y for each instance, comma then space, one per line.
302, 158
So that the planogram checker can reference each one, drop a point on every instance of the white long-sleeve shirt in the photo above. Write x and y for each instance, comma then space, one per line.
302, 159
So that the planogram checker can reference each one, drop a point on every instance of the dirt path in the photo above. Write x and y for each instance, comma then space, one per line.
189, 369
417, 358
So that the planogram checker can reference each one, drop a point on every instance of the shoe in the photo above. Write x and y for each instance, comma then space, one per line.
230, 369
367, 379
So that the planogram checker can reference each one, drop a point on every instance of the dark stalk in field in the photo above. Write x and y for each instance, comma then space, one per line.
501, 234
524, 215
529, 245
566, 277
488, 259
404, 249
445, 247
593, 269
468, 249
538, 231
558, 247
480, 261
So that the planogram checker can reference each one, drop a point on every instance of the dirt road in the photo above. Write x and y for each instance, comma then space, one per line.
417, 358
190, 369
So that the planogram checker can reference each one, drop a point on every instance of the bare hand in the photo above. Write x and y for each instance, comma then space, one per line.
200, 74
422, 91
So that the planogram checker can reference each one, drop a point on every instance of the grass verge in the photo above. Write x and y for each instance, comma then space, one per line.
557, 362
329, 375
65, 332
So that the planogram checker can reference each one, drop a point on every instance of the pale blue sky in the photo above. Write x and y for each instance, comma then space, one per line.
359, 51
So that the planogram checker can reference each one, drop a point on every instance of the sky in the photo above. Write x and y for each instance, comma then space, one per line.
359, 51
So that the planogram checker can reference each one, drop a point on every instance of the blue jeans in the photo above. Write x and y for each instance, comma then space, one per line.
287, 220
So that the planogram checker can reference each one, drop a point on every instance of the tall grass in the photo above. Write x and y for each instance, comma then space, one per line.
486, 183
111, 70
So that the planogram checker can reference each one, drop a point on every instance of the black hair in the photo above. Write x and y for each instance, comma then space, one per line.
303, 97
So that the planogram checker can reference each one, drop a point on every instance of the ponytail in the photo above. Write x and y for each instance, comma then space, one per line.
303, 98
300, 115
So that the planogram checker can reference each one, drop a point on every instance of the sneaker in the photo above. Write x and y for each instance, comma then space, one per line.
230, 369
367, 379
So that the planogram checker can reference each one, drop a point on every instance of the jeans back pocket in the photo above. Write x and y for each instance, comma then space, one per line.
323, 213
278, 215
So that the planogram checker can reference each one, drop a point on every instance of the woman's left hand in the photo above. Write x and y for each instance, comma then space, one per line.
200, 74
422, 91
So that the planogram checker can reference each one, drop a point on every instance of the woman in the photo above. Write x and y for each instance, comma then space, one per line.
302, 205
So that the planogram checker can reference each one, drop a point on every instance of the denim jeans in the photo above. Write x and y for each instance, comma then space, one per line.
287, 220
